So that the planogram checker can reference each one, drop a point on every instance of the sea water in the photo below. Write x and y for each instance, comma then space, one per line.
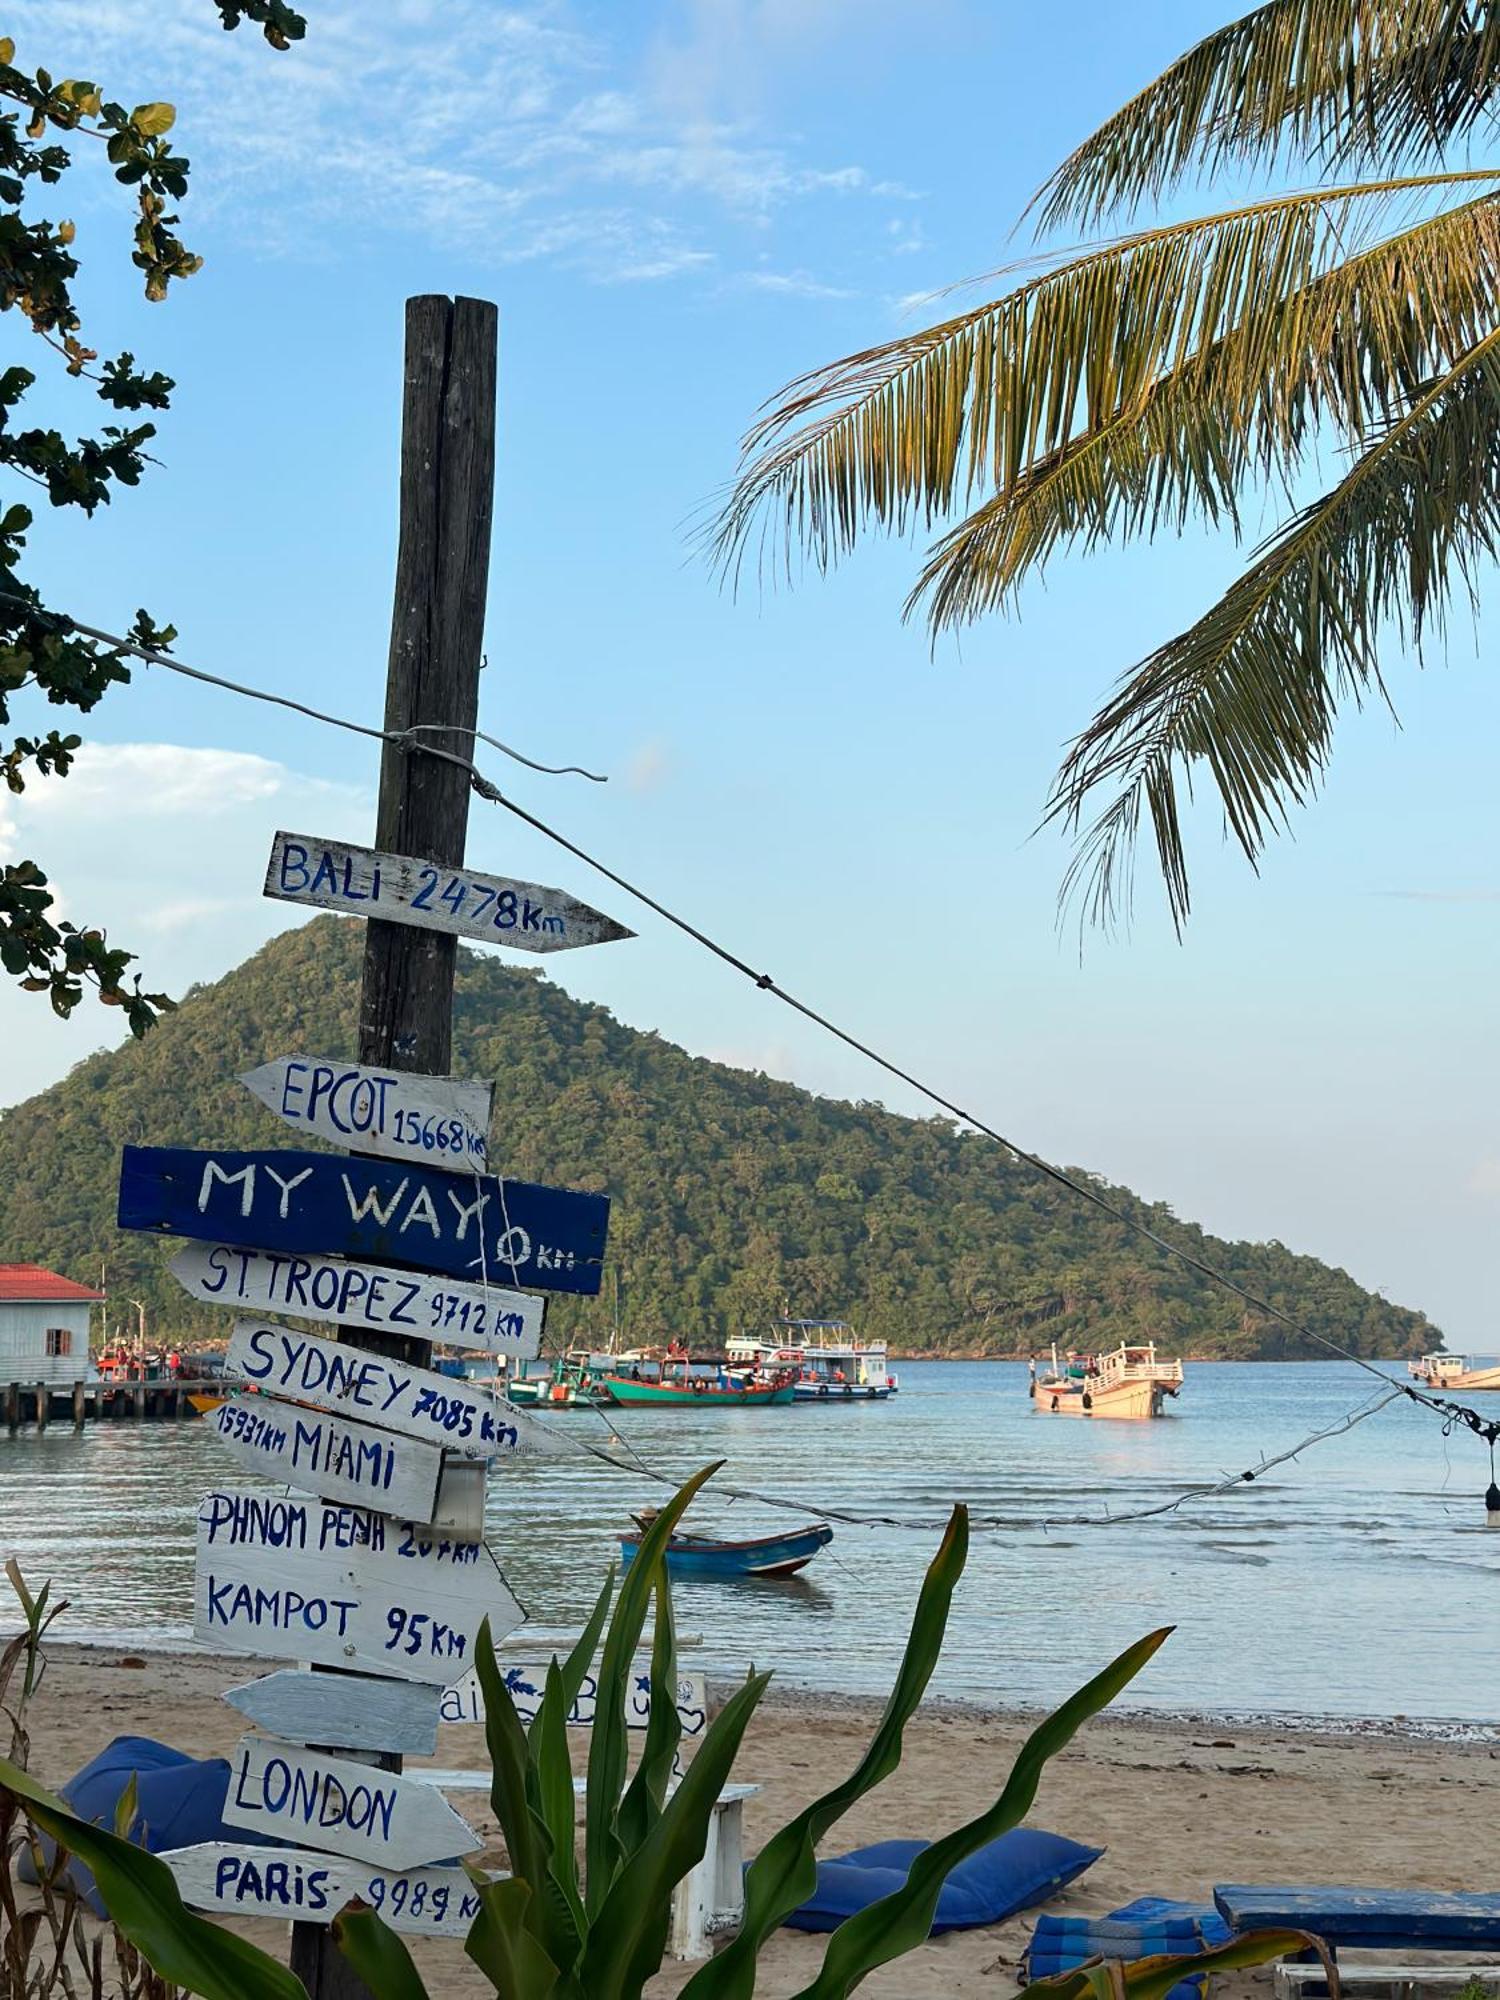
1358, 1581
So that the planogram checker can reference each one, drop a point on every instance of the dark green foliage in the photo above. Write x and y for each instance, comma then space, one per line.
734, 1195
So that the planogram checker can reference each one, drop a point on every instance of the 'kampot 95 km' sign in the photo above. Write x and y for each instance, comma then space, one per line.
436, 1121
333, 875
343, 1587
479, 1227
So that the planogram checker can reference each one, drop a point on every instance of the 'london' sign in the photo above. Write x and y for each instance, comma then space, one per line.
333, 875
480, 1227
346, 1808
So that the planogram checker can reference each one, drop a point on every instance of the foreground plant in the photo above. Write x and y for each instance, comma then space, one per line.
1171, 374
553, 1931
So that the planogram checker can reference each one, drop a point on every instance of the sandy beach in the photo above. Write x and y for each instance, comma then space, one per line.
1179, 1805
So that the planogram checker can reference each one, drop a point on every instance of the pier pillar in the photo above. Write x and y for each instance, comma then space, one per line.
140, 1401
43, 1405
78, 1406
12, 1406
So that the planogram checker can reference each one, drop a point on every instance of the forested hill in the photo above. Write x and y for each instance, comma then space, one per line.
734, 1196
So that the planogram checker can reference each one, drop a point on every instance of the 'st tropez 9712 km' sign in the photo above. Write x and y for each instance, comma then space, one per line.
334, 875
437, 1121
478, 1226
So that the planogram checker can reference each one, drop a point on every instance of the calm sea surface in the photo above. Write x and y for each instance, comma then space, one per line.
1359, 1581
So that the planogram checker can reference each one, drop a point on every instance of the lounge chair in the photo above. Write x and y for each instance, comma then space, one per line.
1366, 1919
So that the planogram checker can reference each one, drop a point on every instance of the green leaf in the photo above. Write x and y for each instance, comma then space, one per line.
153, 119
629, 1934
576, 1666
509, 1765
1154, 1978
142, 1899
377, 1954
607, 1746
558, 1916
898, 1923
785, 1872
648, 1788
505, 1949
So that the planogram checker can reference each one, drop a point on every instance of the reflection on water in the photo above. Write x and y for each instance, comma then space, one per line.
1358, 1581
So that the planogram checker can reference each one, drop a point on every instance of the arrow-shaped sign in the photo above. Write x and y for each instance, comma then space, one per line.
484, 1228
343, 1587
321, 1453
496, 1321
346, 1711
436, 1121
375, 1388
294, 1794
334, 875
310, 1888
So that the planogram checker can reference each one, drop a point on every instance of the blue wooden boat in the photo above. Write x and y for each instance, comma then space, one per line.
766, 1555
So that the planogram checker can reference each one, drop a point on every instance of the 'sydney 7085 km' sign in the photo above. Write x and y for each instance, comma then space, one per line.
474, 1226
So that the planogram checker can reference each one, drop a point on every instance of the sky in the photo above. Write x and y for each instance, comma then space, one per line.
677, 206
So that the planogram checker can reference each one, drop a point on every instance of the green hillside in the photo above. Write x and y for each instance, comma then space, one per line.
734, 1196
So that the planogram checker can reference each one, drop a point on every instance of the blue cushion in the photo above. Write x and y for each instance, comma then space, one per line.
1022, 1867
179, 1801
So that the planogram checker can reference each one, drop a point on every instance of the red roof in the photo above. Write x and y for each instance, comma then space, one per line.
25, 1282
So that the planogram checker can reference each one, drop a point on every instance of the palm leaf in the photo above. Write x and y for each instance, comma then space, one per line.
902, 432
1351, 349
1251, 690
1338, 81
378, 1955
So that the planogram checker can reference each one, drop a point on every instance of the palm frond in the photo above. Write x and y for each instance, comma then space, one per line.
1250, 692
1343, 82
1351, 349
899, 433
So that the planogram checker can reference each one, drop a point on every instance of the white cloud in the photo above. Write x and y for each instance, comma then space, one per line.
164, 846
497, 129
792, 284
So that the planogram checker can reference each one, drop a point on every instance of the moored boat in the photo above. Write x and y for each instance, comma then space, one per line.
575, 1381
831, 1364
1454, 1371
764, 1556
700, 1391
1128, 1381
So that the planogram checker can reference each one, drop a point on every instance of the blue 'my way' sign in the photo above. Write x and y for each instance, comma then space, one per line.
476, 1227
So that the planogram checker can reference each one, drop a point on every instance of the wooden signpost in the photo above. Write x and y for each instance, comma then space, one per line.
345, 1711
312, 1888
289, 1578
463, 1700
433, 896
328, 1455
499, 1232
436, 1409
363, 1295
436, 1121
294, 1794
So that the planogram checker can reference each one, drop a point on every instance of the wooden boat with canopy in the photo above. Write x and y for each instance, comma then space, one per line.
1129, 1381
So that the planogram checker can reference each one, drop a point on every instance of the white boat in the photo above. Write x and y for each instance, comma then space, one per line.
833, 1365
1129, 1381
1454, 1371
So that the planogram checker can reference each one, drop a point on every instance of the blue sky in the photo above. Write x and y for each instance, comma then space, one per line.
677, 206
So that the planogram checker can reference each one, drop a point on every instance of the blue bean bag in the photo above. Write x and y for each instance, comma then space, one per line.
1022, 1867
179, 1802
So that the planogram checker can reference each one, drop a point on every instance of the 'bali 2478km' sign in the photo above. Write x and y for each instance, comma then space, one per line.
476, 1227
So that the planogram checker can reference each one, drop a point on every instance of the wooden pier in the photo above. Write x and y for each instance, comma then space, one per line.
37, 1405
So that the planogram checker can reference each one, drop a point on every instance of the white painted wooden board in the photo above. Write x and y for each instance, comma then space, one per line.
489, 1318
438, 1121
342, 1586
343, 1711
440, 1409
463, 1700
319, 1452
360, 882
312, 1888
341, 1807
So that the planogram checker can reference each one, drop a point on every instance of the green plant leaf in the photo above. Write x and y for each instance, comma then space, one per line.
629, 1935
507, 1952
142, 1899
1154, 1978
898, 1923
153, 119
648, 1788
509, 1764
575, 1667
607, 1745
785, 1872
558, 1909
377, 1954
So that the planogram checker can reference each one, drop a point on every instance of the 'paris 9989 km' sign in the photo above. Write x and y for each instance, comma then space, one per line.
360, 882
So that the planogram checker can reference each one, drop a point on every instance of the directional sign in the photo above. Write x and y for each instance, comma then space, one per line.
344, 1711
483, 1228
437, 1121
295, 1794
284, 1882
495, 1320
439, 1409
343, 1587
333, 875
328, 1455
463, 1701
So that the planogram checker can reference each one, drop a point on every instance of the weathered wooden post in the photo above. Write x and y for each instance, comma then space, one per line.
78, 1406
43, 1405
